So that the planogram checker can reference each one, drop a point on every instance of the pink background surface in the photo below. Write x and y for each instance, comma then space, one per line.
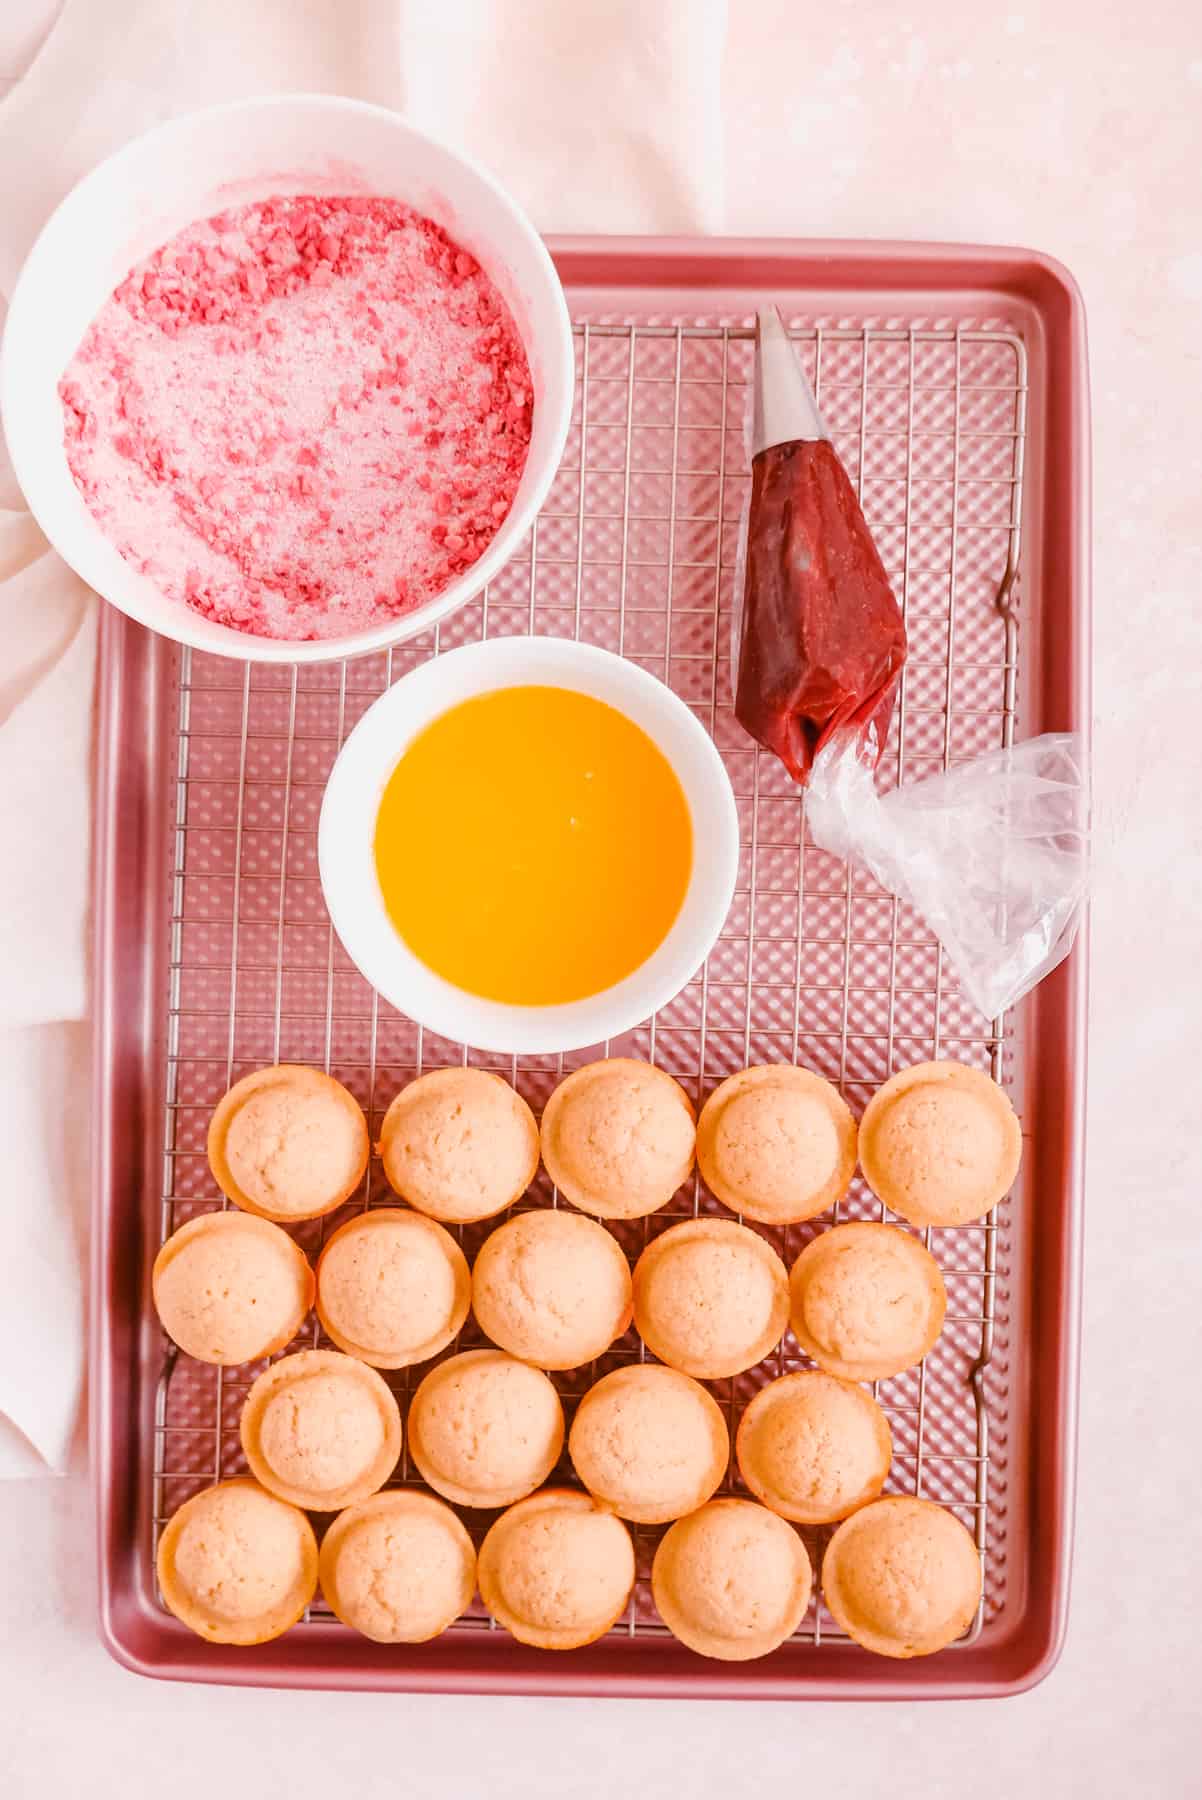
1068, 128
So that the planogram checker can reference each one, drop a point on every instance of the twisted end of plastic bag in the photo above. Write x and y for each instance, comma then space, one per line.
994, 854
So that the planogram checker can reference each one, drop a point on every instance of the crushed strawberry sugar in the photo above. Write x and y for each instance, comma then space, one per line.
303, 417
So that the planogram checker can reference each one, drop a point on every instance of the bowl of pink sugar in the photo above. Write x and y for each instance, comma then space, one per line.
287, 380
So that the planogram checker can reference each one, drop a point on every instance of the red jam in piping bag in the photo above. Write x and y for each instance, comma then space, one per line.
822, 642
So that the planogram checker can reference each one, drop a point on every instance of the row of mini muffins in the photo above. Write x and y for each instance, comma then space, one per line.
323, 1431
938, 1143
710, 1297
730, 1580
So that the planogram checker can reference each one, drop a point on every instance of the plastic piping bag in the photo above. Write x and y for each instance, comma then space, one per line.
993, 853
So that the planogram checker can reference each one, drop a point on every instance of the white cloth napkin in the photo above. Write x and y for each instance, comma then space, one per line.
599, 115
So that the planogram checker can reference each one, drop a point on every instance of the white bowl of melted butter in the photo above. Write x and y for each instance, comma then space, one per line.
529, 845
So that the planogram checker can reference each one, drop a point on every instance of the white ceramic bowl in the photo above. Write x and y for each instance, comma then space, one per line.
189, 169
352, 801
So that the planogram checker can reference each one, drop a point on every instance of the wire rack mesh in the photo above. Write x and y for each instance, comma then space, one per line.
816, 965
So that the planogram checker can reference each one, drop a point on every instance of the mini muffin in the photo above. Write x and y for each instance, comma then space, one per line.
557, 1570
867, 1301
230, 1288
393, 1288
485, 1429
777, 1144
902, 1577
649, 1443
940, 1144
399, 1567
814, 1448
618, 1138
236, 1565
321, 1430
732, 1580
288, 1143
459, 1144
552, 1288
711, 1298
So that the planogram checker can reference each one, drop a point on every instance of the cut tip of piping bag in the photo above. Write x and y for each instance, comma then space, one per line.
785, 410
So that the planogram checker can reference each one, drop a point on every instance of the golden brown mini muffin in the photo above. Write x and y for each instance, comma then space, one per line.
813, 1447
230, 1288
552, 1288
649, 1443
732, 1580
393, 1288
940, 1144
711, 1298
459, 1144
237, 1565
618, 1138
288, 1143
485, 1429
321, 1429
867, 1301
777, 1144
557, 1570
399, 1567
902, 1577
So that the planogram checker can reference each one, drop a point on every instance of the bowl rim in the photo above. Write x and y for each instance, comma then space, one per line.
357, 780
559, 359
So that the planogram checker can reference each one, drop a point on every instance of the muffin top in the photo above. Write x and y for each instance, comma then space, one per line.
618, 1137
940, 1144
485, 1429
867, 1300
552, 1288
399, 1567
288, 1143
902, 1577
813, 1447
230, 1288
393, 1287
649, 1443
321, 1430
731, 1580
237, 1565
557, 1569
777, 1144
459, 1144
711, 1298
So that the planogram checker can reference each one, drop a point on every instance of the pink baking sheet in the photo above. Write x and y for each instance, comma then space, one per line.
955, 382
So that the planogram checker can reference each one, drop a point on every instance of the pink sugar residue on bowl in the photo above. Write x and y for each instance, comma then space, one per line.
303, 417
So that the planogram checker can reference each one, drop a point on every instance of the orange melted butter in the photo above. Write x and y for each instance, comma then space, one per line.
533, 846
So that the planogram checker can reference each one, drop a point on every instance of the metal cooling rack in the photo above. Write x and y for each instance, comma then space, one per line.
635, 551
